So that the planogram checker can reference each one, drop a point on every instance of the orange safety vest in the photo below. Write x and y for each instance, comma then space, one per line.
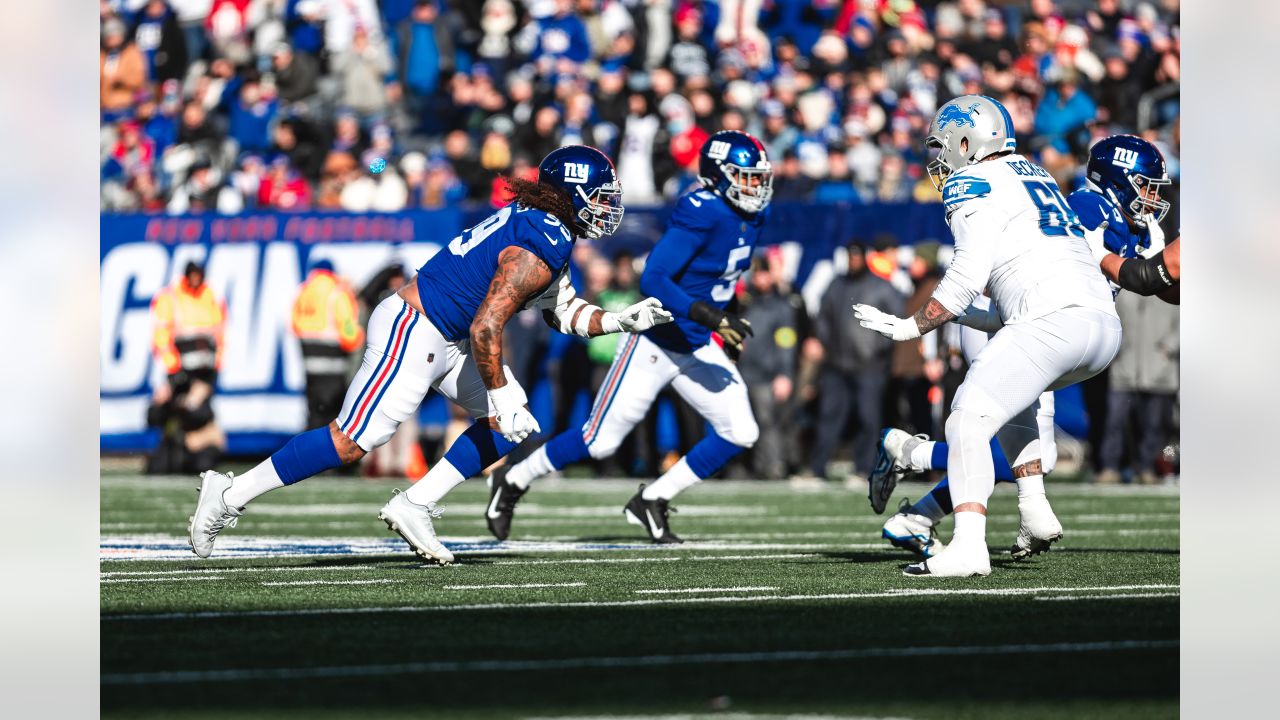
326, 313
187, 327
881, 265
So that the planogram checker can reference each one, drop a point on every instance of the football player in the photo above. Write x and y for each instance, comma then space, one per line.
1120, 208
1052, 312
693, 270
444, 330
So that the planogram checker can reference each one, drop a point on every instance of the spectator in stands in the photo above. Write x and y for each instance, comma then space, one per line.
296, 75
160, 38
857, 364
768, 368
252, 115
562, 43
1143, 388
122, 69
284, 188
362, 67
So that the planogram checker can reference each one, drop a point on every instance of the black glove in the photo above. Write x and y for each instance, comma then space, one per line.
732, 328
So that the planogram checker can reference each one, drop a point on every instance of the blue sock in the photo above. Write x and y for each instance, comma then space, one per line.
307, 454
941, 494
567, 448
710, 454
477, 448
1004, 473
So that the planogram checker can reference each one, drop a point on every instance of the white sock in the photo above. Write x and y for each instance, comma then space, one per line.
929, 508
673, 482
530, 469
1030, 486
922, 455
262, 478
970, 525
435, 484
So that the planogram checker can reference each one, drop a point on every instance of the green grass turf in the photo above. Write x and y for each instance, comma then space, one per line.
382, 635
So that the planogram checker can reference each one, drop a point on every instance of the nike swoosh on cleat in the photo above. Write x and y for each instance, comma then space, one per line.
653, 525
492, 513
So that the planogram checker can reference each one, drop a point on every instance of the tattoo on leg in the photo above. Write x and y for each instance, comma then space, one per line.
1027, 469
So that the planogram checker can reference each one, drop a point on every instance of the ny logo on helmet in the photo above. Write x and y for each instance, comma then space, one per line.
576, 172
953, 114
1125, 158
719, 150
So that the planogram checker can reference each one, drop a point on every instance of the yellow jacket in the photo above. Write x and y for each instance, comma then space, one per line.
187, 325
326, 312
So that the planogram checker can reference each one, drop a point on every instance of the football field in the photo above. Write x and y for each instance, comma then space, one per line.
783, 602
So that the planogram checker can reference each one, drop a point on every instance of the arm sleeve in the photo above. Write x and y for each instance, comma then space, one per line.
1145, 276
976, 229
670, 256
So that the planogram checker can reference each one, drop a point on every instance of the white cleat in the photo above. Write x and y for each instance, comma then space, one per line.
911, 532
962, 558
1039, 527
212, 512
412, 522
893, 462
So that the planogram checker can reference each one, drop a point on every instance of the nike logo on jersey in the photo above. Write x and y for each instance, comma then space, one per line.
553, 240
657, 530
696, 202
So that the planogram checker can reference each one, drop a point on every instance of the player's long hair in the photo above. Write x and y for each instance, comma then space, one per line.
531, 193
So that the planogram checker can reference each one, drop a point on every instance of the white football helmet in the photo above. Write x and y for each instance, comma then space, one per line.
966, 130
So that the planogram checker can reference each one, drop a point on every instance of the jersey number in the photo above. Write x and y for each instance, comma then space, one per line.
723, 292
1057, 219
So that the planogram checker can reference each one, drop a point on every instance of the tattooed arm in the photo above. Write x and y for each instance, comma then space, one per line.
932, 315
520, 277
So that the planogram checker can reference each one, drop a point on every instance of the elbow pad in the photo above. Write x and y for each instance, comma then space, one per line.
565, 311
1145, 276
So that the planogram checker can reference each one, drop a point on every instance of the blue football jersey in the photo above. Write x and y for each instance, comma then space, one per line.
453, 283
706, 247
1093, 208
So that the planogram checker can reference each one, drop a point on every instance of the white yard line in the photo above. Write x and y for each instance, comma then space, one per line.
897, 593
513, 586
106, 581
299, 583
672, 591
782, 656
1119, 596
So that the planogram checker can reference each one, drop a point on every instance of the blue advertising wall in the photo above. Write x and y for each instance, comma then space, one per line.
256, 262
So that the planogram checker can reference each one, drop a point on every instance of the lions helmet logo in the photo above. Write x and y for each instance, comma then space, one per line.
576, 172
953, 114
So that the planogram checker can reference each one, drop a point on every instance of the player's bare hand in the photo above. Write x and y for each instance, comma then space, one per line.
890, 326
637, 318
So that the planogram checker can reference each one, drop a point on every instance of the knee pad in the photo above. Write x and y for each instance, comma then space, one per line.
602, 447
744, 433
970, 468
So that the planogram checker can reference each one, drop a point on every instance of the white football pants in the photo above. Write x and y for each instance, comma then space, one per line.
705, 378
1018, 364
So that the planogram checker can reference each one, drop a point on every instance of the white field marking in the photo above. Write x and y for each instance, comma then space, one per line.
1120, 596
477, 509
898, 593
299, 583
455, 566
158, 579
715, 716
779, 656
513, 586
172, 547
659, 591
1124, 517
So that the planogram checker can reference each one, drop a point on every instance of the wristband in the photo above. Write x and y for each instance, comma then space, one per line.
507, 397
705, 315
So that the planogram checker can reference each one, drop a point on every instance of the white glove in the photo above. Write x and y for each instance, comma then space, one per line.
515, 422
1095, 239
637, 318
890, 326
1155, 247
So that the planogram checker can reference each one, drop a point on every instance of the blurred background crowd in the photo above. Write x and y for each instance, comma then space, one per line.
234, 106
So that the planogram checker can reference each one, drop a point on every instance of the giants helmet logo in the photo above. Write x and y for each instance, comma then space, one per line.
576, 172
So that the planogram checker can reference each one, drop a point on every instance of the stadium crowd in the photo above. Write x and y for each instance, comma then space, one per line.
233, 106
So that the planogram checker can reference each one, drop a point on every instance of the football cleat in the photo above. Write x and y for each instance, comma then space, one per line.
652, 516
962, 558
893, 462
212, 512
412, 522
503, 497
911, 532
1038, 527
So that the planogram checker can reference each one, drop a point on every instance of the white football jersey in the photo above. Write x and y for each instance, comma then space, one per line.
1017, 237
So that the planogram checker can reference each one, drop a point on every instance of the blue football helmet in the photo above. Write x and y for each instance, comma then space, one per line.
587, 176
734, 166
1130, 171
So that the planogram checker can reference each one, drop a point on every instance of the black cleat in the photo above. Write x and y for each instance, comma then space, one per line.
652, 516
503, 497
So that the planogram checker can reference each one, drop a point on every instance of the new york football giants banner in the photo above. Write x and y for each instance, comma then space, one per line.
256, 263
